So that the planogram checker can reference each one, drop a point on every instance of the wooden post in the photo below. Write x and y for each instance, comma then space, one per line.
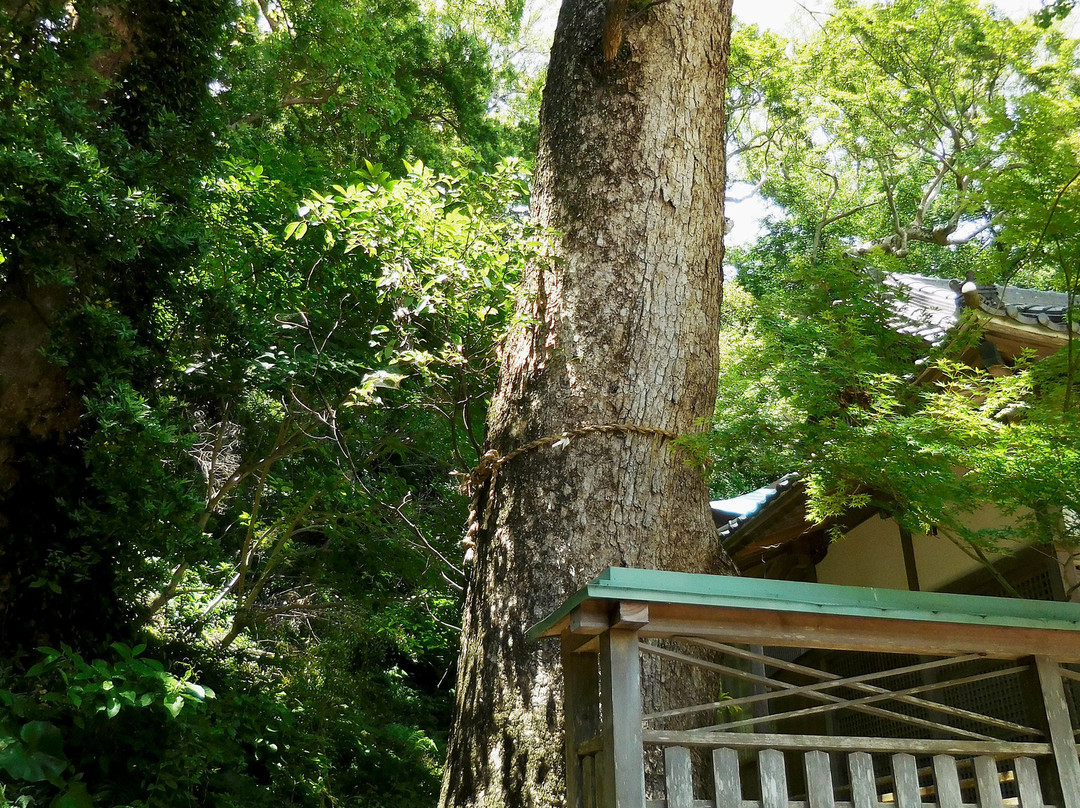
588, 781
910, 566
581, 714
622, 765
1061, 733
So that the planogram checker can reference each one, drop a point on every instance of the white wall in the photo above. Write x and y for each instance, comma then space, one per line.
871, 555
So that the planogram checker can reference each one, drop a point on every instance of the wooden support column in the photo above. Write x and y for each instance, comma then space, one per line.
621, 775
1061, 732
581, 708
910, 565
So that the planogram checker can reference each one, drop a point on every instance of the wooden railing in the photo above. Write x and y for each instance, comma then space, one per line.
819, 697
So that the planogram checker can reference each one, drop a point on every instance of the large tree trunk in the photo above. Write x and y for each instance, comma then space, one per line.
621, 328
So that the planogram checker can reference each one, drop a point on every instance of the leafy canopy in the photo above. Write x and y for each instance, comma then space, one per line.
928, 138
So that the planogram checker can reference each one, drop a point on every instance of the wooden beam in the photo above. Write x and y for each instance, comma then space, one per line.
910, 565
848, 633
590, 618
842, 743
630, 615
580, 643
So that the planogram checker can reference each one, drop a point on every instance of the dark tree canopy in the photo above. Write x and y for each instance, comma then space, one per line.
231, 405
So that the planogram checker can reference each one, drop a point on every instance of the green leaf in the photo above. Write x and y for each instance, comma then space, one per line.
38, 756
121, 649
74, 796
174, 705
43, 736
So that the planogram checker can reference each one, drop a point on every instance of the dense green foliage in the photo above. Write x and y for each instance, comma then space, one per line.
914, 137
255, 262
229, 573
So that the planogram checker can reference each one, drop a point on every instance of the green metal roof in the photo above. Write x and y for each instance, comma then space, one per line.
682, 588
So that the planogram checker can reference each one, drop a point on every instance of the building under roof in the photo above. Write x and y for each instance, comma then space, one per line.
766, 531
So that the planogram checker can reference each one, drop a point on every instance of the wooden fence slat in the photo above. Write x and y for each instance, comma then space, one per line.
863, 783
906, 781
947, 782
774, 793
1027, 778
819, 783
726, 781
588, 781
677, 777
989, 782
603, 782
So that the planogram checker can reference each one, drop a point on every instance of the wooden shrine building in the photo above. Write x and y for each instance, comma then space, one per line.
793, 719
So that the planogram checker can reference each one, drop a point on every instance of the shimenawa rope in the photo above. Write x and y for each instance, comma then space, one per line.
487, 470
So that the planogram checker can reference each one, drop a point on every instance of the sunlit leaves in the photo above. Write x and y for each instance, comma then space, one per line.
449, 250
931, 456
924, 137
882, 134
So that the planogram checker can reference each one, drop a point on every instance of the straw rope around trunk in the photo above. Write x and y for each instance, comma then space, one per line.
482, 478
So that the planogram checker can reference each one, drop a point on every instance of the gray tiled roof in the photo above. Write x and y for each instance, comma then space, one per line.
731, 514
931, 306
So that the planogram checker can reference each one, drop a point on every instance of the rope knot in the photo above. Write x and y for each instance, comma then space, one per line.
483, 473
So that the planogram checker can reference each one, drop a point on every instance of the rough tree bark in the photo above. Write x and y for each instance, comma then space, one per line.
621, 328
